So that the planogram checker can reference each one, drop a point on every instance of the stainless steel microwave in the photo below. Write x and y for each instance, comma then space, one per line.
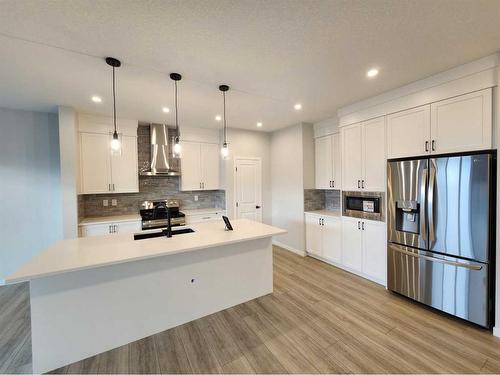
364, 205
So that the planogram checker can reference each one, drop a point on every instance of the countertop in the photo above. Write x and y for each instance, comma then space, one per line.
92, 252
109, 219
331, 213
201, 211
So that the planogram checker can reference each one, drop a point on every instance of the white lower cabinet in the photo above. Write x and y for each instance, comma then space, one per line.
364, 248
100, 229
323, 236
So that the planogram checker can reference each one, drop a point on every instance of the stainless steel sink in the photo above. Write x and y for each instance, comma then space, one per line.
162, 233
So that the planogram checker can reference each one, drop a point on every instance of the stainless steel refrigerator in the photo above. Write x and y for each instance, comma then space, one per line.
441, 233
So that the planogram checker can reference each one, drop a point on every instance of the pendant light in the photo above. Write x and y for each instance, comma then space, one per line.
224, 150
177, 145
115, 142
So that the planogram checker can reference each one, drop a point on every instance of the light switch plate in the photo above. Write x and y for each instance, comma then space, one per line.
114, 202
196, 198
105, 202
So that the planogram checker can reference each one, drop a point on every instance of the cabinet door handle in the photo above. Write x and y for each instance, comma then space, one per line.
433, 145
359, 223
109, 187
109, 228
115, 229
113, 187
362, 225
203, 184
426, 146
358, 184
322, 221
200, 185
362, 184
333, 183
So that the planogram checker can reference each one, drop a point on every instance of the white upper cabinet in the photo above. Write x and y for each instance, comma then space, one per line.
363, 156
210, 166
327, 162
323, 168
95, 163
104, 171
124, 167
200, 166
408, 132
374, 161
463, 123
459, 124
352, 156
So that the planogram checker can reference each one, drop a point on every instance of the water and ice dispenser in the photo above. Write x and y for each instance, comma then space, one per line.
408, 216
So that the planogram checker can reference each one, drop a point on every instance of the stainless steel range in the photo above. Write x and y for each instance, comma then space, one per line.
155, 214
441, 232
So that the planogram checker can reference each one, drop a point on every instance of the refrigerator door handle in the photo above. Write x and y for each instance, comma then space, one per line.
438, 260
430, 201
423, 214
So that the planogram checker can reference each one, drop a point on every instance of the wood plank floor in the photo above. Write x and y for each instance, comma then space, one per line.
318, 320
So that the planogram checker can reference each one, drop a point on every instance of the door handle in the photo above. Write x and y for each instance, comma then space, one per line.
358, 183
257, 207
423, 214
109, 187
333, 183
323, 222
113, 187
115, 228
319, 221
359, 227
109, 229
426, 146
330, 184
362, 184
439, 260
433, 145
430, 200
362, 225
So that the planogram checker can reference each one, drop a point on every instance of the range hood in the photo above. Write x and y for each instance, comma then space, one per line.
162, 159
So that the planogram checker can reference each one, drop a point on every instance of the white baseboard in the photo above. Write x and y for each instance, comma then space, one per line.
289, 248
496, 331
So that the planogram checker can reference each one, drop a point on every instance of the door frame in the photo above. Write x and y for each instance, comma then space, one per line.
235, 184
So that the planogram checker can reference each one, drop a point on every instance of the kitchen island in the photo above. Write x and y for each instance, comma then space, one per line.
89, 295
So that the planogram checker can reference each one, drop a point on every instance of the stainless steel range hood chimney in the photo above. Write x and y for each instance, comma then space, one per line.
163, 162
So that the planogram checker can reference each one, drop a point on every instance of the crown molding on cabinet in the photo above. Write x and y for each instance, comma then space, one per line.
473, 76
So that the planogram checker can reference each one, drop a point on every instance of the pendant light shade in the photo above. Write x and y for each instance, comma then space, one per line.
115, 141
177, 140
224, 151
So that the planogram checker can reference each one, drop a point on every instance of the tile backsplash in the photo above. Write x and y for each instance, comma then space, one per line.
150, 188
315, 199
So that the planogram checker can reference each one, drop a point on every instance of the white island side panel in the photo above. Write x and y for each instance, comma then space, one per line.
79, 314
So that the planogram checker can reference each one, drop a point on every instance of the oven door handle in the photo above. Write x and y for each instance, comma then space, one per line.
438, 260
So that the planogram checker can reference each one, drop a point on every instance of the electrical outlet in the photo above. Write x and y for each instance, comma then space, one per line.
105, 202
114, 202
196, 198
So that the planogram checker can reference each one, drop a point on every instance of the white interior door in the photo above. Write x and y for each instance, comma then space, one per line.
124, 167
248, 188
95, 163
210, 162
323, 162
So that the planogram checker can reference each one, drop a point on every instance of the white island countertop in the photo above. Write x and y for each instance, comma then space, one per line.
91, 252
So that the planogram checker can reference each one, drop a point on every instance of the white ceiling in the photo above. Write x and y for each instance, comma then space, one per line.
272, 53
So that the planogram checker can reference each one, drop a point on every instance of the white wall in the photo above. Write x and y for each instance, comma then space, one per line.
246, 143
68, 145
30, 195
287, 170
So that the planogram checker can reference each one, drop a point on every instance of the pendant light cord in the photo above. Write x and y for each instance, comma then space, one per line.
114, 100
176, 111
224, 96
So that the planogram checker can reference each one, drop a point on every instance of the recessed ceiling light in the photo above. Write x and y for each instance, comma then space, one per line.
372, 73
297, 107
165, 110
259, 124
96, 99
218, 118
